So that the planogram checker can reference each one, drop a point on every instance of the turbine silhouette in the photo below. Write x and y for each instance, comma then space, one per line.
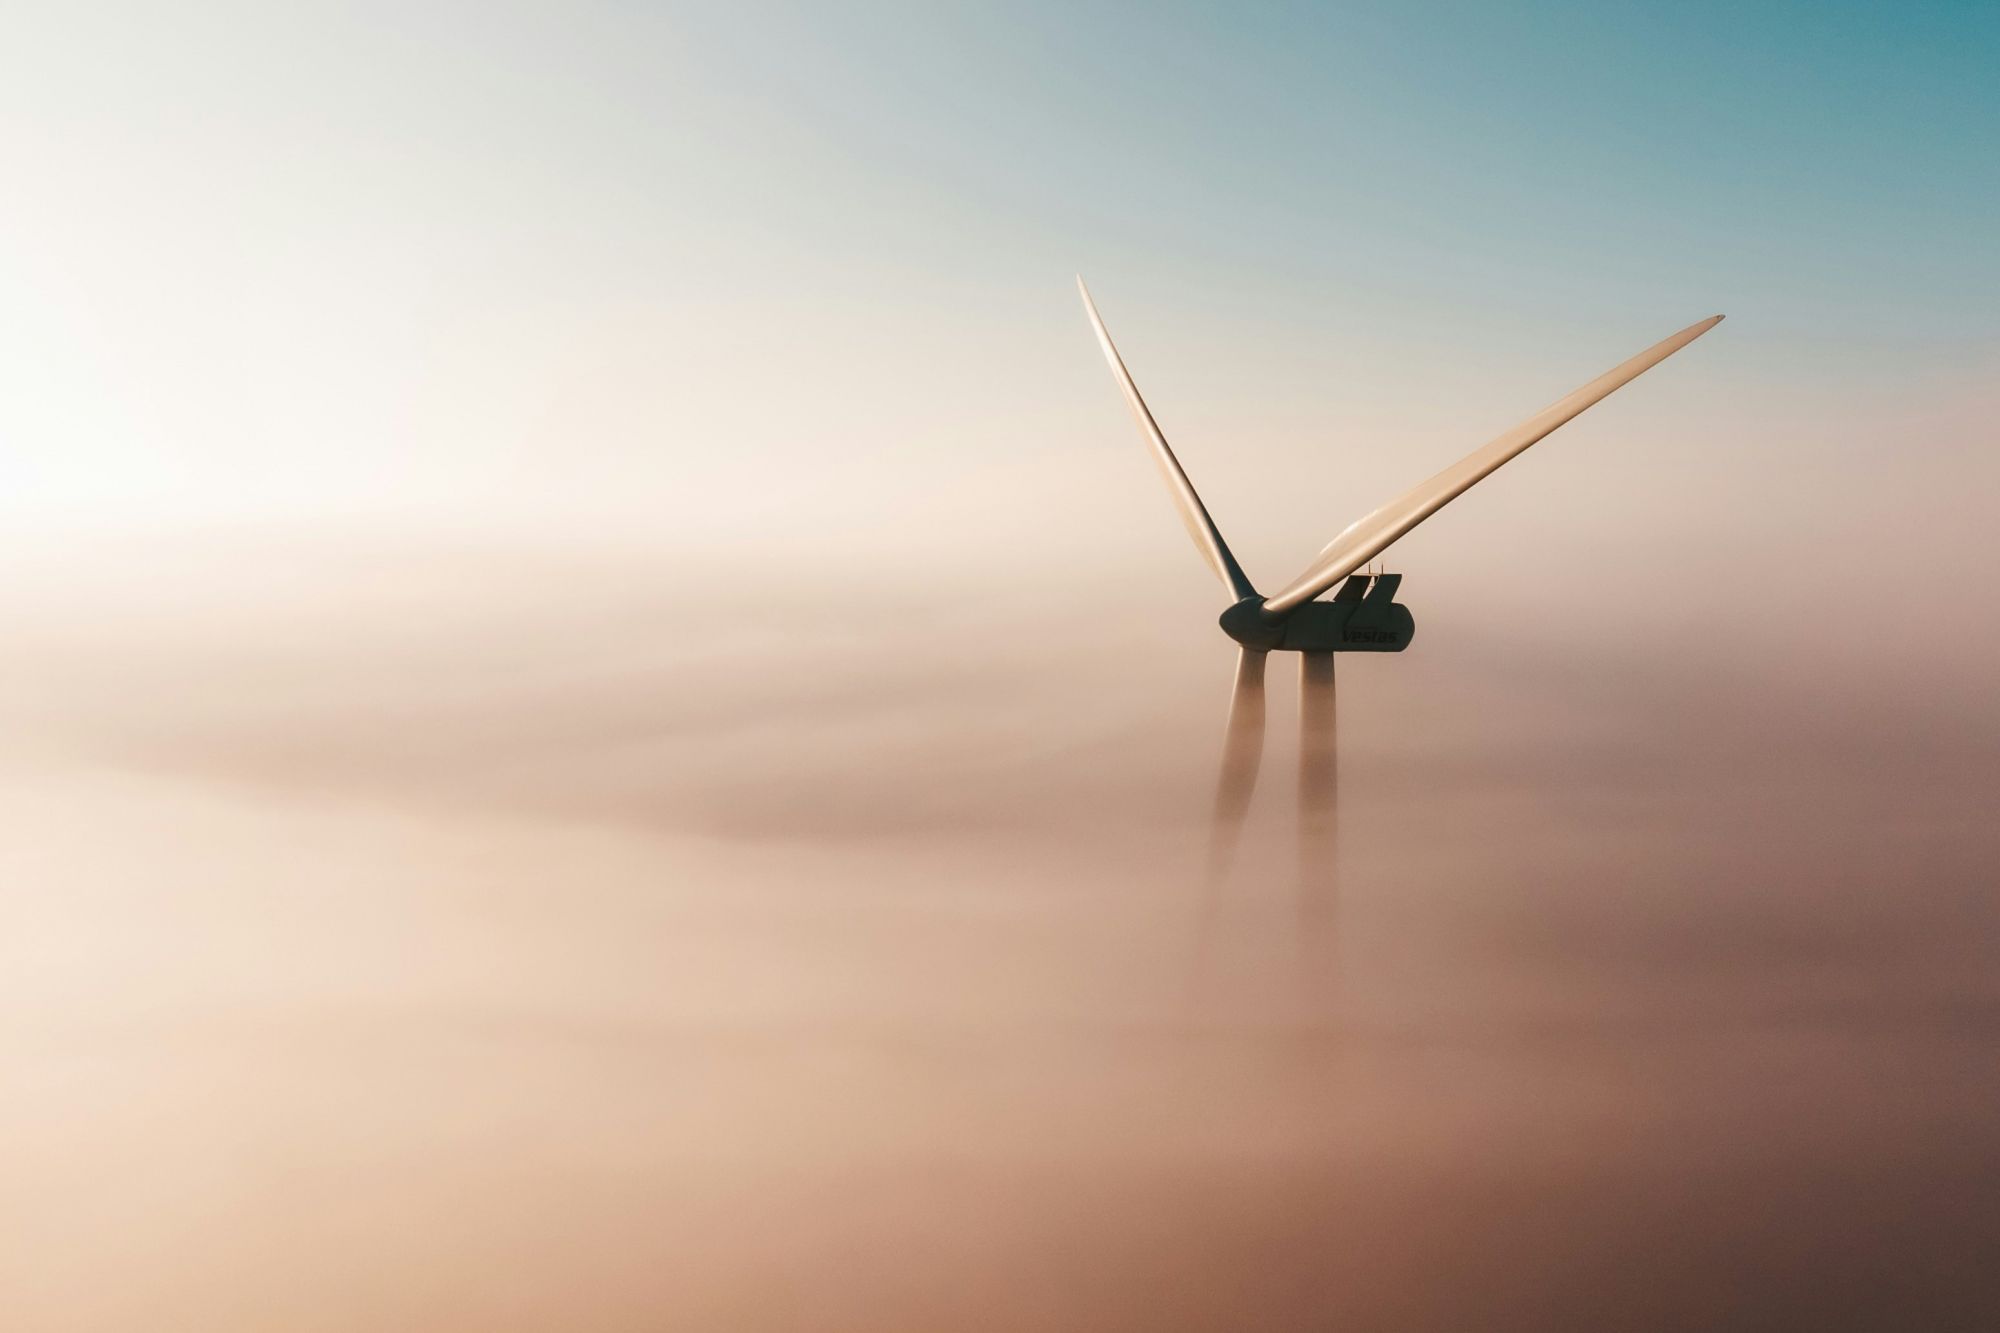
1362, 616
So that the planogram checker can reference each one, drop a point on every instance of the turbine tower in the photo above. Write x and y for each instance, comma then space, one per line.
1362, 616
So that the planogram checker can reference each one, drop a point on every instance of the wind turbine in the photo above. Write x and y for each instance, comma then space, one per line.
1362, 616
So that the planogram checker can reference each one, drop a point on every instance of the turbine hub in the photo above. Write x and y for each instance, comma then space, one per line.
1251, 625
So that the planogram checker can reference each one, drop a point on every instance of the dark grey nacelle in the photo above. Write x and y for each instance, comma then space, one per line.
1360, 619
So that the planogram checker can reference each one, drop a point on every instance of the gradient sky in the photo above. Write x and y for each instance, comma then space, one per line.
270, 257
609, 727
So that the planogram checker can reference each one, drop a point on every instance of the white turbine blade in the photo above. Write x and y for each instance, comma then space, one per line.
1368, 537
1199, 525
1242, 750
1243, 743
1236, 779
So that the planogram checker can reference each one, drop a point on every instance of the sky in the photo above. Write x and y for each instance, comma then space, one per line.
610, 727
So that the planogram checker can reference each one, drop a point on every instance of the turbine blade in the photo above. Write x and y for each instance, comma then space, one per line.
1242, 749
1368, 537
1193, 513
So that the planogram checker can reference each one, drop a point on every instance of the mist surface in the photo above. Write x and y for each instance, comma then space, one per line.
469, 935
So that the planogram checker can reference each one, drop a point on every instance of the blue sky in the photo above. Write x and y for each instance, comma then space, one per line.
482, 253
1822, 161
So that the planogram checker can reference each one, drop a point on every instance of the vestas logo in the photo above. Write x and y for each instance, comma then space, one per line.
1369, 636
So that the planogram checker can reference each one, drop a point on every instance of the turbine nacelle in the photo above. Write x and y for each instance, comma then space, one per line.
1363, 617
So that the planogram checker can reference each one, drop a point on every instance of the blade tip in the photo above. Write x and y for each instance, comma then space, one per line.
1090, 309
